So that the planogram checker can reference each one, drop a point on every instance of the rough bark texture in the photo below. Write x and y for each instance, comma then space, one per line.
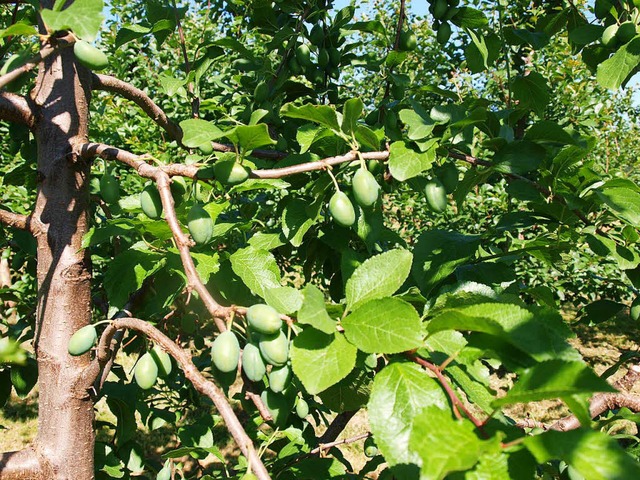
65, 438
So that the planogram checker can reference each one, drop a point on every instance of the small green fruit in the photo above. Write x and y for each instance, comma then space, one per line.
370, 449
444, 33
163, 361
82, 341
206, 148
302, 408
109, 188
316, 36
341, 209
275, 348
248, 476
365, 188
303, 55
264, 319
448, 175
634, 311
277, 405
408, 41
225, 352
178, 189
626, 32
371, 361
602, 8
261, 92
279, 378
294, 66
252, 364
146, 372
609, 38
150, 202
200, 224
440, 8
436, 195
323, 58
90, 56
334, 57
230, 172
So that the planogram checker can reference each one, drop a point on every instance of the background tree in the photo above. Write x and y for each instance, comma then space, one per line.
373, 211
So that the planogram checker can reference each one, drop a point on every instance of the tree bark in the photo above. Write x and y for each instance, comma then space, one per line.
65, 440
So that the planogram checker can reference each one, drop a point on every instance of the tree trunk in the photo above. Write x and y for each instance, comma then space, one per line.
65, 440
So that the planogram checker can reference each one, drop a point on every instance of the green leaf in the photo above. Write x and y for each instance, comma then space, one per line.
250, 137
469, 18
493, 465
548, 132
84, 17
613, 72
321, 114
206, 264
285, 300
296, 221
387, 325
420, 126
378, 277
586, 34
313, 311
11, 352
320, 360
367, 138
349, 394
594, 455
519, 157
554, 379
400, 392
129, 32
126, 272
126, 419
623, 202
197, 132
351, 112
18, 29
405, 162
532, 92
309, 133
173, 86
257, 269
445, 445
438, 253
540, 333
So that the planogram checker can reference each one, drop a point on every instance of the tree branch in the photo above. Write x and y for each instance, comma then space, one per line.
183, 242
16, 108
326, 446
599, 404
9, 77
15, 220
20, 465
137, 96
200, 383
337, 426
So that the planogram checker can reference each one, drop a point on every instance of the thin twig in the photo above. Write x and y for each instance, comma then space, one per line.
455, 400
326, 446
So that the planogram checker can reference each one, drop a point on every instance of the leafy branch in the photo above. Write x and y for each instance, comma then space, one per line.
199, 381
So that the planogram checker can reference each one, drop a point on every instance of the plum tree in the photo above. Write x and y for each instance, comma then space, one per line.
191, 208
